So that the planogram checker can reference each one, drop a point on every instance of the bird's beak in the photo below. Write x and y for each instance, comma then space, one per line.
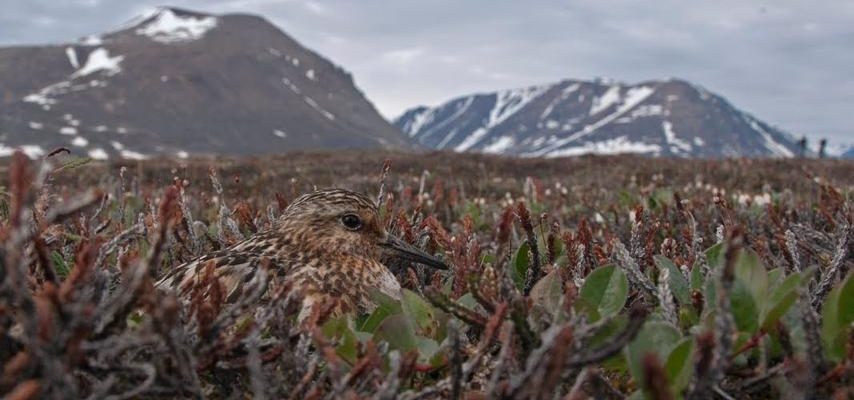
409, 252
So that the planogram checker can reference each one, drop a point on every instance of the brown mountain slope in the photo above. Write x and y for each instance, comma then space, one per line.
181, 82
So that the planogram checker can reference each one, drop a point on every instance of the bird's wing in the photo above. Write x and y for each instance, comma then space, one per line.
232, 269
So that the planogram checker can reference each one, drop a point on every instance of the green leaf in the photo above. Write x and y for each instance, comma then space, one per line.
775, 276
422, 315
363, 336
386, 306
697, 277
427, 349
662, 196
845, 310
373, 320
605, 290
488, 259
606, 334
134, 319
473, 210
715, 256
467, 300
519, 266
680, 365
398, 331
548, 292
626, 198
688, 317
386, 302
750, 270
654, 337
542, 243
741, 339
59, 264
678, 283
837, 318
348, 344
781, 299
744, 308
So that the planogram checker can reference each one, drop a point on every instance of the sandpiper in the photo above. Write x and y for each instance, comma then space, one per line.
326, 245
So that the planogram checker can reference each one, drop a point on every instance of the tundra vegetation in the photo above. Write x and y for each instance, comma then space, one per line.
590, 277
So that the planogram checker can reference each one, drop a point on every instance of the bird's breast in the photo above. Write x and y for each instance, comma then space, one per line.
349, 285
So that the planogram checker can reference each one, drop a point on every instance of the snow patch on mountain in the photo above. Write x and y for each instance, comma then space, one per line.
775, 147
647, 110
676, 145
472, 139
620, 145
99, 60
98, 154
507, 103
419, 118
316, 107
499, 146
91, 40
291, 86
633, 97
79, 141
167, 27
461, 108
47, 96
129, 154
564, 94
72, 57
450, 136
601, 103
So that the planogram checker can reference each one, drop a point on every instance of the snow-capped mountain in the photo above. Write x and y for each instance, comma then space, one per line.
662, 118
180, 82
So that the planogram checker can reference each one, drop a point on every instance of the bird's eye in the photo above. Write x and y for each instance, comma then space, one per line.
351, 221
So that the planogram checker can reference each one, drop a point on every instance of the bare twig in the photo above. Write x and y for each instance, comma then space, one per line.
383, 177
533, 272
830, 274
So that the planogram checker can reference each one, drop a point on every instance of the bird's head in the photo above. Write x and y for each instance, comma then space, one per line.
347, 222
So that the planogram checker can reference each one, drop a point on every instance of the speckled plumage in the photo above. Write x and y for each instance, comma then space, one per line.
313, 249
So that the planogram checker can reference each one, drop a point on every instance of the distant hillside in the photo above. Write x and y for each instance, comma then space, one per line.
662, 118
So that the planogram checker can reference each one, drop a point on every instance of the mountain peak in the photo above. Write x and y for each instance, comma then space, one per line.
171, 25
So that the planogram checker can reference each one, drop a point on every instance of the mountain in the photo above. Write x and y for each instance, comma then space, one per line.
662, 118
180, 82
849, 154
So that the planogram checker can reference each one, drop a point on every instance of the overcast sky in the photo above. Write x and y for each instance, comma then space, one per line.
790, 63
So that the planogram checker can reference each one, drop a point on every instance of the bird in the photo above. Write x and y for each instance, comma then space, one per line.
327, 245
